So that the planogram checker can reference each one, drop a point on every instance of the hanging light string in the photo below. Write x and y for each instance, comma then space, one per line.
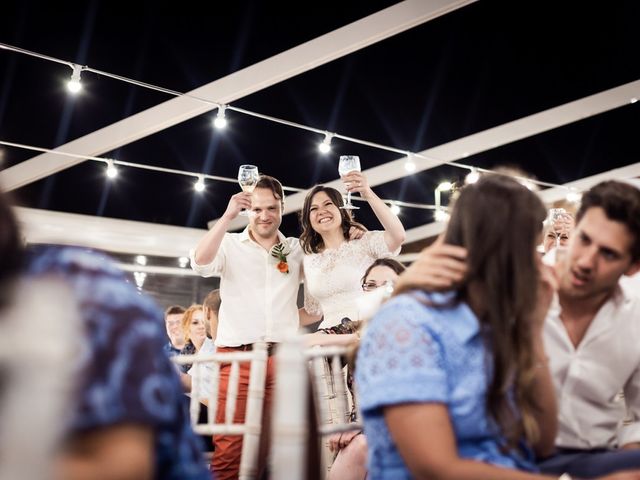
123, 163
110, 162
327, 139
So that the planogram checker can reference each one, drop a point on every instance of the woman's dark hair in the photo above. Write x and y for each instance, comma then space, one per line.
11, 248
394, 265
499, 222
311, 240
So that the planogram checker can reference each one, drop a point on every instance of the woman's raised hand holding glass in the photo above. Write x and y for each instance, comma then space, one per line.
349, 163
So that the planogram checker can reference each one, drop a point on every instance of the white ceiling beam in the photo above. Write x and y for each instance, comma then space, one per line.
486, 140
548, 196
108, 234
297, 60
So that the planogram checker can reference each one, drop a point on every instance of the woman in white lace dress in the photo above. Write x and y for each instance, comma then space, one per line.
333, 264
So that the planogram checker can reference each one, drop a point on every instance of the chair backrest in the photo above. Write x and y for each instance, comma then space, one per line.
299, 368
205, 381
40, 336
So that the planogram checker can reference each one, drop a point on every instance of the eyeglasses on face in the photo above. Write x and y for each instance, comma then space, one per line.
371, 285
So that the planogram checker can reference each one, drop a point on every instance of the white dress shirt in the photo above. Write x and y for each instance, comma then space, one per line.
259, 303
589, 379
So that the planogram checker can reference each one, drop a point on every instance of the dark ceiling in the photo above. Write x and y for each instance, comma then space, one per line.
478, 67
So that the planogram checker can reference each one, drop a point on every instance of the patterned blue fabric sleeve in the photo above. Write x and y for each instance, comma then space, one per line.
400, 358
124, 376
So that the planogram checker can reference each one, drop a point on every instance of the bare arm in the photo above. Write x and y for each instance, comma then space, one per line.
123, 452
321, 338
208, 246
394, 233
438, 267
425, 440
306, 318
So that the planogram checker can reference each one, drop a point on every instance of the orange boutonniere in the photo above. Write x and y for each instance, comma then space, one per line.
280, 252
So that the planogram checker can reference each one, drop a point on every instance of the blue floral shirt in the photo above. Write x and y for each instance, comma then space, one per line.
416, 353
124, 375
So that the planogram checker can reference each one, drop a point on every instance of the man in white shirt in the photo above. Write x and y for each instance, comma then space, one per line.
592, 334
260, 272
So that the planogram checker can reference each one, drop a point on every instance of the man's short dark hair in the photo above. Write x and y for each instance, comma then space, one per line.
273, 184
621, 203
212, 301
173, 310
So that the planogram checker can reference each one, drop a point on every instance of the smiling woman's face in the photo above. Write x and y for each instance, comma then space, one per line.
197, 330
324, 215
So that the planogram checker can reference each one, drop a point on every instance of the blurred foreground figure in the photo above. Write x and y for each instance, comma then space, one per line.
118, 398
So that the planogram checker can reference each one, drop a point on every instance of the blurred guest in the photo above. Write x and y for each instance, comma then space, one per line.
557, 230
211, 307
126, 419
173, 324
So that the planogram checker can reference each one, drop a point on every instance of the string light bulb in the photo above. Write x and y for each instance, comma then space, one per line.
74, 85
445, 186
472, 177
199, 184
183, 261
441, 215
220, 121
573, 196
325, 145
141, 260
112, 171
395, 209
410, 165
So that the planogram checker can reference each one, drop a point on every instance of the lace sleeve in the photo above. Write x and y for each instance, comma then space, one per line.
376, 246
311, 305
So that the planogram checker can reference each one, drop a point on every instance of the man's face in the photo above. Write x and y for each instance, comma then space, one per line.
173, 323
598, 255
266, 215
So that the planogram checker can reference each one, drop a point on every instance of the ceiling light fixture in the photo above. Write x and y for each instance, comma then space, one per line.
325, 145
573, 196
112, 171
74, 85
472, 177
220, 121
410, 164
198, 186
441, 215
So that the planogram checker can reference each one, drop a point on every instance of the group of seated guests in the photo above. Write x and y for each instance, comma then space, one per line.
487, 362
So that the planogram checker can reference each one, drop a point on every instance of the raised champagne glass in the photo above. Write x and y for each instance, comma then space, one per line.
248, 177
348, 164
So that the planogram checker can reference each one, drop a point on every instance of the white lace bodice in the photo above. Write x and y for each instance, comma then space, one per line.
333, 277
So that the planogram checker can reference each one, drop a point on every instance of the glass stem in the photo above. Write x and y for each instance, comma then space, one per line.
348, 198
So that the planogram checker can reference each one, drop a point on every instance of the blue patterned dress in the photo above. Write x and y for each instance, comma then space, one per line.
123, 374
416, 353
